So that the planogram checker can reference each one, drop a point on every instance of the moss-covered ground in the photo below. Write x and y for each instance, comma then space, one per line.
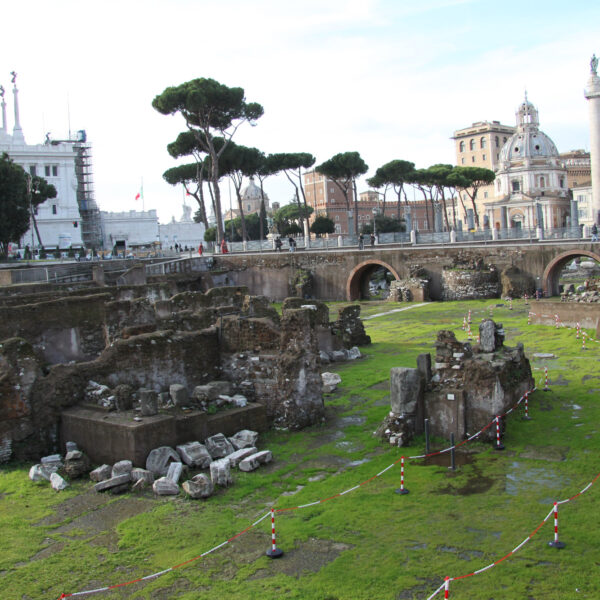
370, 543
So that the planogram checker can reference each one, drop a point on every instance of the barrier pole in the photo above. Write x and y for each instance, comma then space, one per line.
426, 436
499, 445
402, 490
546, 388
273, 551
447, 588
452, 456
583, 334
555, 543
577, 331
527, 417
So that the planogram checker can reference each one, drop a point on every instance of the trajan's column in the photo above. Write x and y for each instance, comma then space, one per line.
592, 93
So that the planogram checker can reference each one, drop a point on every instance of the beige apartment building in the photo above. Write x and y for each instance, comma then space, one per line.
479, 146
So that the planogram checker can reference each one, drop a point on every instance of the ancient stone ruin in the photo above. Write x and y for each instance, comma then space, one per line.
127, 369
466, 387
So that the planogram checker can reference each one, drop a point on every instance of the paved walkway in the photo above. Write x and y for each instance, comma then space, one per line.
395, 310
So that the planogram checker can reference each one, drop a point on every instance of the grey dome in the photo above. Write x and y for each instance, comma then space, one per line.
528, 141
251, 192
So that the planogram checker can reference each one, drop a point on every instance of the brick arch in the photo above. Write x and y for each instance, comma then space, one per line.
357, 275
555, 266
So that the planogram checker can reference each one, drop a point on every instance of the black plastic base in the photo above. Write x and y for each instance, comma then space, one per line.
498, 447
526, 418
546, 390
277, 553
402, 491
557, 545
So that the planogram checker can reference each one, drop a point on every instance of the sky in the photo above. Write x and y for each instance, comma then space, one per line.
389, 79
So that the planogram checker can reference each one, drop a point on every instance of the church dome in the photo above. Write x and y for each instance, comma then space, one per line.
252, 192
528, 142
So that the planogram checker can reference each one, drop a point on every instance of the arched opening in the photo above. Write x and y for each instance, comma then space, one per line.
570, 268
367, 280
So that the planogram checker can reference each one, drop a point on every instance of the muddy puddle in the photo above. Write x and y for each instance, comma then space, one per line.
521, 477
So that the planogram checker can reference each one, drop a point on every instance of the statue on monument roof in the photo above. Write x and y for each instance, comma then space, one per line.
594, 64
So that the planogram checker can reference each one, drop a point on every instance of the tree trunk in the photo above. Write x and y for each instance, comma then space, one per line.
37, 231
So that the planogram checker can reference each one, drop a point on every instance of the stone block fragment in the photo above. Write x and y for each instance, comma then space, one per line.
107, 484
406, 388
174, 472
252, 462
159, 459
218, 446
165, 487
236, 457
195, 455
179, 394
70, 446
52, 459
76, 464
199, 486
330, 381
122, 467
244, 439
101, 473
138, 474
41, 472
148, 402
220, 472
57, 482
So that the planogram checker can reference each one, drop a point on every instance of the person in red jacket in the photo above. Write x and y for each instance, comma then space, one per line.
200, 249
224, 249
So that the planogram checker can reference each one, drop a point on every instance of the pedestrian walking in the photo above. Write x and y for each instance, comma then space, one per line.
372, 240
361, 241
200, 249
594, 233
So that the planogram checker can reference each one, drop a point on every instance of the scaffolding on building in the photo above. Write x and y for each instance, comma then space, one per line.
91, 224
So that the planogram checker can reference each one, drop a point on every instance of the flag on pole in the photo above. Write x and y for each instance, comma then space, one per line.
140, 194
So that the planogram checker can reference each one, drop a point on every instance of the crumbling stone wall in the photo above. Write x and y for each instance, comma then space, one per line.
222, 335
515, 283
349, 327
460, 284
298, 376
468, 386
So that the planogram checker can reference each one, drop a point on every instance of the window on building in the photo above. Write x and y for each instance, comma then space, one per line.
462, 160
542, 182
337, 217
461, 146
54, 209
497, 156
516, 186
331, 190
249, 207
32, 170
47, 170
482, 143
497, 140
472, 145
485, 194
54, 171
504, 140
472, 159
580, 198
484, 157
561, 182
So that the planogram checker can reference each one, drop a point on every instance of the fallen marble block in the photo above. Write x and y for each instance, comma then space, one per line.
252, 462
165, 487
41, 472
244, 439
57, 482
174, 472
199, 486
220, 472
137, 474
159, 459
121, 467
218, 446
195, 455
239, 455
107, 484
101, 473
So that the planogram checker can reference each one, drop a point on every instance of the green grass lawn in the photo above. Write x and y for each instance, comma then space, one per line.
370, 543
